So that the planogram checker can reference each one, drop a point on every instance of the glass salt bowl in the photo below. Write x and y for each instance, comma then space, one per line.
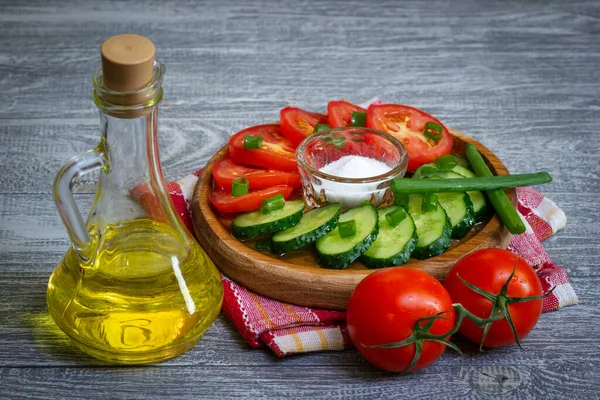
325, 147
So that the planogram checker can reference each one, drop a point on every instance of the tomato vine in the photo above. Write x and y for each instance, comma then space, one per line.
500, 310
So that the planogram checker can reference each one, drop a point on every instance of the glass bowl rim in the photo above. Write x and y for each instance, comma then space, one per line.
393, 173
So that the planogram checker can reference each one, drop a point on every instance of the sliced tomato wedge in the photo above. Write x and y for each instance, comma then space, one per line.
225, 171
339, 113
408, 125
226, 203
275, 152
297, 124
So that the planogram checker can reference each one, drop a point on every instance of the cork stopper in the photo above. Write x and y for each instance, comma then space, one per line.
127, 62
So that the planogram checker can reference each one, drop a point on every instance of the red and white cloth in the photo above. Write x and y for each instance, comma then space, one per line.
288, 329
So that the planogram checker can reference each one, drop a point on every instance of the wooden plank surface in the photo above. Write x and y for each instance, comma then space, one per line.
521, 76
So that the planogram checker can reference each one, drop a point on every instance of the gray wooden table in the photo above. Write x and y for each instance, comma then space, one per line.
520, 76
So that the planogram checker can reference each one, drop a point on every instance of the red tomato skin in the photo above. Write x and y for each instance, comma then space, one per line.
339, 113
489, 269
225, 171
276, 151
383, 309
386, 118
226, 203
298, 124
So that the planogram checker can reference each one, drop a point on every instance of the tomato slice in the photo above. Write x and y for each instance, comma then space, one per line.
408, 124
339, 113
226, 203
275, 152
297, 124
225, 171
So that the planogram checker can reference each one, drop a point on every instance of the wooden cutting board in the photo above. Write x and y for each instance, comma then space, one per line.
296, 277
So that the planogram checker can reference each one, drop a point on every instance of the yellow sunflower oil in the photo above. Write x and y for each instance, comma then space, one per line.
134, 287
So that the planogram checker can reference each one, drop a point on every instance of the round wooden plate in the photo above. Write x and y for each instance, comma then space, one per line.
296, 277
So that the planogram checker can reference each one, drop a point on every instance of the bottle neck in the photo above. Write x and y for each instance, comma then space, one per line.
131, 184
132, 104
129, 122
130, 147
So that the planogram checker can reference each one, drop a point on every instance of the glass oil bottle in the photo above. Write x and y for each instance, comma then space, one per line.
134, 287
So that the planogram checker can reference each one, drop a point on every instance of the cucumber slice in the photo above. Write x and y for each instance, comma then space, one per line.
255, 223
393, 245
462, 171
458, 169
480, 205
433, 229
459, 210
460, 160
458, 207
312, 226
335, 252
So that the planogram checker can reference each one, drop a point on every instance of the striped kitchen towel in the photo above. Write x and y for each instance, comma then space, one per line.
289, 329
542, 219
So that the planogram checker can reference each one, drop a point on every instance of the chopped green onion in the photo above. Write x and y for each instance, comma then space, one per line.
358, 118
263, 245
427, 169
252, 142
395, 217
430, 202
445, 162
321, 127
410, 186
401, 199
433, 131
239, 187
272, 204
505, 210
347, 228
338, 141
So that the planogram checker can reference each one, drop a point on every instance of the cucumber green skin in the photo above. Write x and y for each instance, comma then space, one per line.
482, 214
462, 161
397, 259
281, 247
479, 215
465, 224
248, 232
461, 170
417, 174
342, 260
436, 247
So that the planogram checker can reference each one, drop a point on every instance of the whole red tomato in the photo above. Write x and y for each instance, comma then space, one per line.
383, 309
489, 269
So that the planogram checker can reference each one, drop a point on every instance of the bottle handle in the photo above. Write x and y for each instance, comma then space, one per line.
82, 164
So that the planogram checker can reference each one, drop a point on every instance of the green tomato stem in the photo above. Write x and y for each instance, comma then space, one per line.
500, 310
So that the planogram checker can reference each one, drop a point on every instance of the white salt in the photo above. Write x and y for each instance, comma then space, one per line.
352, 194
355, 167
